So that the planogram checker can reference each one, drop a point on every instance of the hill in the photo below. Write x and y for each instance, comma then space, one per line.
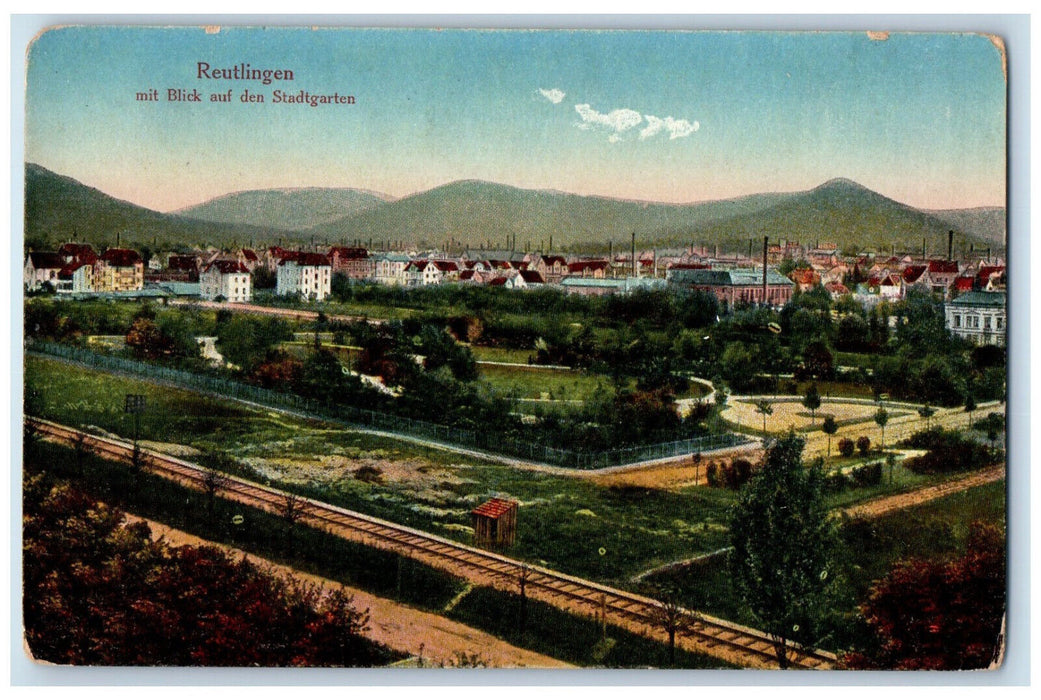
471, 213
60, 209
289, 209
990, 223
847, 214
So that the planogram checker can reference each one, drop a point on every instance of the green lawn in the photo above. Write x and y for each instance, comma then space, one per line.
483, 353
534, 382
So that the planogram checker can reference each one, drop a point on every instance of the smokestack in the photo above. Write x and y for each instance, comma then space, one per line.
634, 254
950, 244
749, 248
923, 248
550, 243
117, 239
610, 251
766, 242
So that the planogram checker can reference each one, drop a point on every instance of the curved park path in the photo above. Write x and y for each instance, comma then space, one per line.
422, 635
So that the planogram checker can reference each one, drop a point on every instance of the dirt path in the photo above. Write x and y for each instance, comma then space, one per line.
435, 639
887, 504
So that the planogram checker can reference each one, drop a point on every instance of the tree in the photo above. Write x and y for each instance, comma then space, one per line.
782, 542
882, 417
100, 591
830, 426
213, 482
764, 407
673, 619
812, 401
926, 412
939, 615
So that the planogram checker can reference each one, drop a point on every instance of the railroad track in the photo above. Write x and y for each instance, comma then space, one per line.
719, 638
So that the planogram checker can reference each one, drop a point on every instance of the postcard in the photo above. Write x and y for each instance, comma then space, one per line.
515, 348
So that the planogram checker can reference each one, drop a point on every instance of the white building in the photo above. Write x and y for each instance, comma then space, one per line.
308, 275
390, 268
228, 280
76, 278
41, 268
979, 317
424, 272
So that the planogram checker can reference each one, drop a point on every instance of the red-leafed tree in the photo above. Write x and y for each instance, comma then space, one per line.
939, 615
99, 592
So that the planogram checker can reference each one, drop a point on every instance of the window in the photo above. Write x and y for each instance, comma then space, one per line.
957, 320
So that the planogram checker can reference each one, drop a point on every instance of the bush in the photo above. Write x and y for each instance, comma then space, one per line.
956, 453
845, 447
863, 444
867, 475
732, 476
836, 482
712, 475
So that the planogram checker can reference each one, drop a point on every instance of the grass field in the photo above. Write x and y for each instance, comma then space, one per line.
483, 353
563, 522
540, 383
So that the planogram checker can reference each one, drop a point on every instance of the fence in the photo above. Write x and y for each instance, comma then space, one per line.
401, 425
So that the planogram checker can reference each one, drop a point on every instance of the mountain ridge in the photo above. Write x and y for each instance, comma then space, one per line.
471, 212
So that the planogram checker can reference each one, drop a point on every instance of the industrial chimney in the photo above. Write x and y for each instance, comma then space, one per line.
766, 242
634, 254
950, 244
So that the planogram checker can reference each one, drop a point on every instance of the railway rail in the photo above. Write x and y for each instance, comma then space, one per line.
719, 638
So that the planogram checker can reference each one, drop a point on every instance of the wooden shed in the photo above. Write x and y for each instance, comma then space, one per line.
495, 523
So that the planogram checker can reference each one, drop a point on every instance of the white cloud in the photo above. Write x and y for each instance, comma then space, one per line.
554, 95
654, 125
618, 120
677, 128
680, 128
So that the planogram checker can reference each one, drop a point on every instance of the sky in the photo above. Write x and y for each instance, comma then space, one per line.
649, 115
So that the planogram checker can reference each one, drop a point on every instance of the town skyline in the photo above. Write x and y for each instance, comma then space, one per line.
673, 117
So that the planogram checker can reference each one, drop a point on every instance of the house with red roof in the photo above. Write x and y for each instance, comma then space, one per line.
226, 280
890, 286
940, 275
355, 263
77, 253
836, 290
306, 275
551, 267
805, 279
75, 278
590, 269
119, 270
419, 273
41, 268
